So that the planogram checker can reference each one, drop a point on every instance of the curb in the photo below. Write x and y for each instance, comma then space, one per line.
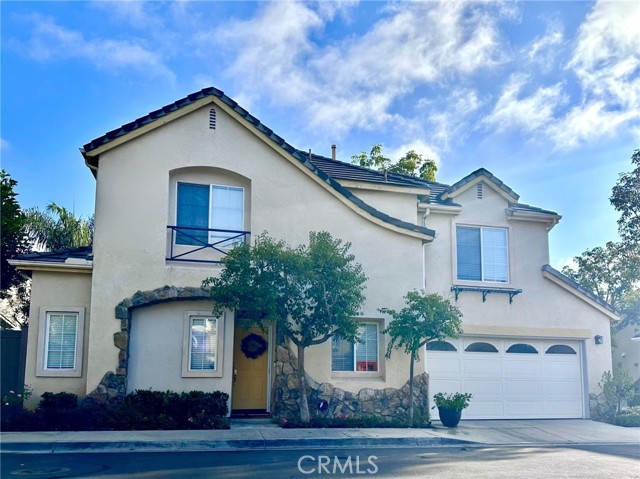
230, 445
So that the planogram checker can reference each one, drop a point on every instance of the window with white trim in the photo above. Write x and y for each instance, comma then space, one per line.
60, 342
202, 207
202, 345
482, 254
361, 356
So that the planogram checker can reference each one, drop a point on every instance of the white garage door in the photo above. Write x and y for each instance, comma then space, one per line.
510, 378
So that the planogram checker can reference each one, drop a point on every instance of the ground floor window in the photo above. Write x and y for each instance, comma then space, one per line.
202, 343
360, 356
60, 340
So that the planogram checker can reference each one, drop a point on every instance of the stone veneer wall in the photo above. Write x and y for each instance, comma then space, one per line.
113, 386
389, 404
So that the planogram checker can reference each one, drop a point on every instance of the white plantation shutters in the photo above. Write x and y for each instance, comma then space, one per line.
203, 345
362, 356
62, 335
482, 254
227, 211
494, 255
367, 351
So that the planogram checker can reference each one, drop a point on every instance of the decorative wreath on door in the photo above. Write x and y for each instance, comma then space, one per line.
253, 346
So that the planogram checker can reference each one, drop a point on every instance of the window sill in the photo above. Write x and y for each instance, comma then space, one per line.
483, 284
364, 375
55, 373
202, 374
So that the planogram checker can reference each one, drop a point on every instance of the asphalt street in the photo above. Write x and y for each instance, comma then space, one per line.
580, 462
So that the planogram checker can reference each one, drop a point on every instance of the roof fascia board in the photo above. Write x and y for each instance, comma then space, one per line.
580, 295
51, 266
372, 186
549, 220
174, 115
310, 174
435, 208
475, 181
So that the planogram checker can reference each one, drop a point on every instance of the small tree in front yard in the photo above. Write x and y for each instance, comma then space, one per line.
311, 292
424, 318
617, 389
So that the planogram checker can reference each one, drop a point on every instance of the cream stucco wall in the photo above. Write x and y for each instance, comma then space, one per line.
157, 349
133, 205
56, 290
542, 310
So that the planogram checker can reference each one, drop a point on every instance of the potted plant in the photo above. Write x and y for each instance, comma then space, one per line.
450, 407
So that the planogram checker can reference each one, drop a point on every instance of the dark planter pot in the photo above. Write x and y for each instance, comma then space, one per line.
449, 417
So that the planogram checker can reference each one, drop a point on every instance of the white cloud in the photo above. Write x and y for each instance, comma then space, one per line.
528, 113
355, 81
50, 41
4, 144
134, 12
606, 61
452, 122
427, 151
543, 49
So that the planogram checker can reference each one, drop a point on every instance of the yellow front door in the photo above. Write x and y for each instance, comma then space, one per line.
249, 375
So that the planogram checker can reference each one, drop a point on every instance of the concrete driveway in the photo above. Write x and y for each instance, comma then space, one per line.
540, 431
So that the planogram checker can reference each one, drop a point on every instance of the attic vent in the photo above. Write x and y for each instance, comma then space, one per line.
479, 190
212, 119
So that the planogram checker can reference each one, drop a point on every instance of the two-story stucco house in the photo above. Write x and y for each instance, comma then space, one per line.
177, 187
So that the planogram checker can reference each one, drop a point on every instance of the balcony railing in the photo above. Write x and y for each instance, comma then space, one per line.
205, 240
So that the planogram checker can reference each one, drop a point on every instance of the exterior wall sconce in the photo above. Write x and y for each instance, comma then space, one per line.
598, 339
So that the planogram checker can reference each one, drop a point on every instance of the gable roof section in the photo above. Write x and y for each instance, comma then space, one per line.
473, 178
91, 151
567, 283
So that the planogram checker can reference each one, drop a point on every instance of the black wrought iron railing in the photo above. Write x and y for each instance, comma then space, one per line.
186, 242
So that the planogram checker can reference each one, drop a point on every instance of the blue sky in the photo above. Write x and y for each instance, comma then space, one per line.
546, 95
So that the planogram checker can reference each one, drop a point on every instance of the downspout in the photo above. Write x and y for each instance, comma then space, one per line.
424, 251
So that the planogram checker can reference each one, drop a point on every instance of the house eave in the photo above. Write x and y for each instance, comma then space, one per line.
436, 208
371, 186
52, 266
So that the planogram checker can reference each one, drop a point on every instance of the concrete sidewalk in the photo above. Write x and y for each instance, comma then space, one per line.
256, 434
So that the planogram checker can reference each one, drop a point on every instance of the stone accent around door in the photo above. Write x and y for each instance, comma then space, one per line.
389, 404
113, 386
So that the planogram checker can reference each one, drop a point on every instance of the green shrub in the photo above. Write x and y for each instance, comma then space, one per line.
456, 401
140, 410
629, 417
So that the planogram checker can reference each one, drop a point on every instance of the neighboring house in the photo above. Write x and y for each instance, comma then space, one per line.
177, 187
627, 351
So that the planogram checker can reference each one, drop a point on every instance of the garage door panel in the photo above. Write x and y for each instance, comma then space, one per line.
520, 409
522, 368
484, 410
479, 367
483, 388
561, 369
512, 385
526, 388
562, 408
446, 386
443, 366
571, 389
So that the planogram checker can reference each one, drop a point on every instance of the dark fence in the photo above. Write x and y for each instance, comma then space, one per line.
13, 354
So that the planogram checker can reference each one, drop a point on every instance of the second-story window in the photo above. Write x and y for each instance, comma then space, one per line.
482, 254
201, 208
